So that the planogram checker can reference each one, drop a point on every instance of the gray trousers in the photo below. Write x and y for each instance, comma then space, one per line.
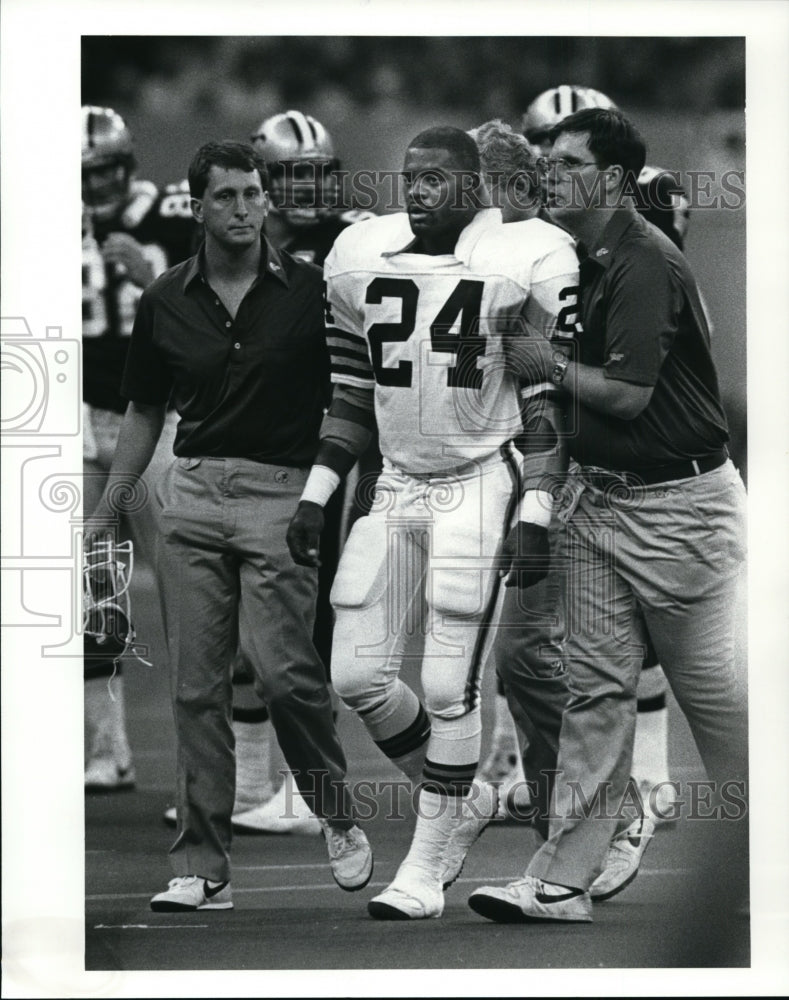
224, 566
530, 661
677, 551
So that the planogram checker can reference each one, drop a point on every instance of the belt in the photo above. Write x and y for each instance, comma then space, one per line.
603, 478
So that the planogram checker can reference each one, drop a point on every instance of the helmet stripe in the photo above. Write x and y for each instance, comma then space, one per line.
295, 126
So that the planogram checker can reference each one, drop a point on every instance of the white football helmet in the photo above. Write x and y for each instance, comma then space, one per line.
552, 106
107, 162
299, 154
106, 612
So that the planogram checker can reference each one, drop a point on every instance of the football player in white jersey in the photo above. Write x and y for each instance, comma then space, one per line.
522, 758
662, 201
420, 308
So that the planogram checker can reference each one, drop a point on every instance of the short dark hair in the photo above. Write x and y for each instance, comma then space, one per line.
454, 140
229, 156
613, 138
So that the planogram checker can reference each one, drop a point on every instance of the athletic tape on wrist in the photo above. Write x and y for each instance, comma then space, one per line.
536, 506
321, 483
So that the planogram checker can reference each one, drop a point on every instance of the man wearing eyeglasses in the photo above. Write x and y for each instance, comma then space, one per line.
658, 527
660, 198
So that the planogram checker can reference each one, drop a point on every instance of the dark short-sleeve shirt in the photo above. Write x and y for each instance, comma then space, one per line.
643, 323
254, 386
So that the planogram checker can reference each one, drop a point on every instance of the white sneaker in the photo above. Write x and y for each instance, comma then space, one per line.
413, 895
526, 899
477, 810
190, 892
285, 812
622, 859
350, 856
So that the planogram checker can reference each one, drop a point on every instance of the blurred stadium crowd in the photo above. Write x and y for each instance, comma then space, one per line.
695, 73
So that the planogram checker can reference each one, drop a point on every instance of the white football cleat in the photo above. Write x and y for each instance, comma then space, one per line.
285, 812
477, 810
415, 894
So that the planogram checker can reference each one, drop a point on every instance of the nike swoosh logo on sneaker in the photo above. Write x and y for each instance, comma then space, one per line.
544, 897
210, 891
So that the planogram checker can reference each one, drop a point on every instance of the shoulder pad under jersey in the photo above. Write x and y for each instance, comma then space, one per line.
176, 202
356, 246
352, 215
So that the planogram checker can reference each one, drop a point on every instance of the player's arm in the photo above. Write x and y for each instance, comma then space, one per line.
543, 447
549, 316
349, 422
121, 249
345, 434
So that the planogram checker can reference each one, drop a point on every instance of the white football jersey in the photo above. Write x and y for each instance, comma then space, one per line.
427, 332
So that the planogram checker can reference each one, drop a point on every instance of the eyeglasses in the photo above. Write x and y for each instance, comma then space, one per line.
562, 165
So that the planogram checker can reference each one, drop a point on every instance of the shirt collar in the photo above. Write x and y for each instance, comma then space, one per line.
616, 227
469, 237
270, 263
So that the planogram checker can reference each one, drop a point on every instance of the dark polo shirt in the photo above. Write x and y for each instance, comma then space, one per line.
643, 323
251, 387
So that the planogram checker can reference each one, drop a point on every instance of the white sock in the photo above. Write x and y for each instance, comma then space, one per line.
505, 732
253, 763
650, 747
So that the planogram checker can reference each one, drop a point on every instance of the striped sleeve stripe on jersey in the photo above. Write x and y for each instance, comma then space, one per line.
351, 353
349, 357
353, 376
335, 336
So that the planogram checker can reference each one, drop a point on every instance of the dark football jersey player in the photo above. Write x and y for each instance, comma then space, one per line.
131, 232
308, 210
660, 197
